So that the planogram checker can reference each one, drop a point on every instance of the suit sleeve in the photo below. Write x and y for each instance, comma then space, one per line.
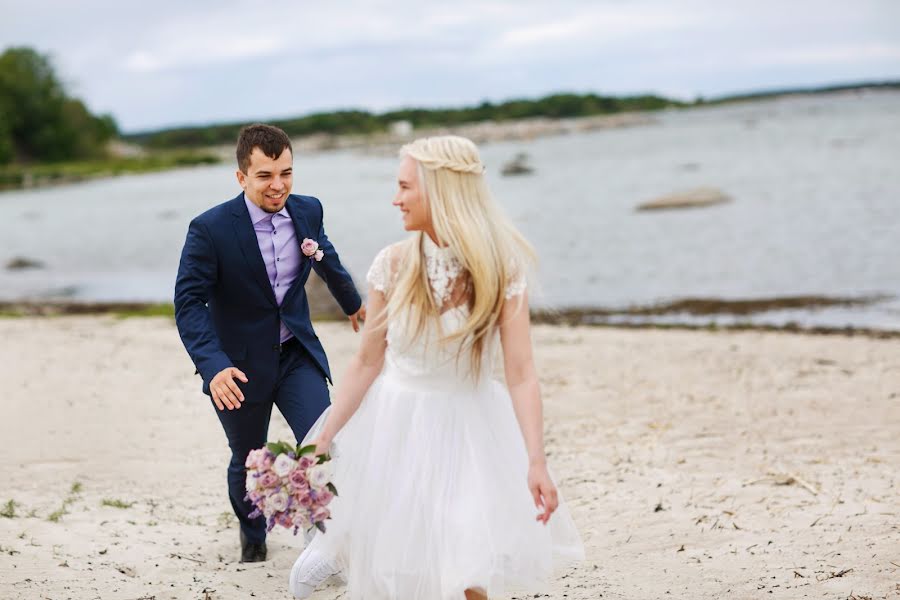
333, 273
197, 274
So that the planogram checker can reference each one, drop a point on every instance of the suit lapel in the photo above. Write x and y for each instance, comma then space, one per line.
301, 231
246, 237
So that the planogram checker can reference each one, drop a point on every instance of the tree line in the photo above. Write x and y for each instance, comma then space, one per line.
364, 122
39, 121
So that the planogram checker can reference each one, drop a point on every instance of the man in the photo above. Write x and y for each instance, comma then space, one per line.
242, 312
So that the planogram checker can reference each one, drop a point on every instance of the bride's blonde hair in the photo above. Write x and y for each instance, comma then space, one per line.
465, 218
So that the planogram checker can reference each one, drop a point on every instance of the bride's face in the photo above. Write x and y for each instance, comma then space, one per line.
409, 198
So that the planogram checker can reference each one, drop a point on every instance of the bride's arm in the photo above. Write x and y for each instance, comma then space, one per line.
364, 367
524, 388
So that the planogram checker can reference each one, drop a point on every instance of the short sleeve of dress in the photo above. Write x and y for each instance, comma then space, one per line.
517, 282
379, 275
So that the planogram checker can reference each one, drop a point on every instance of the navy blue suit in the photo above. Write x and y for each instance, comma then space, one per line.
227, 315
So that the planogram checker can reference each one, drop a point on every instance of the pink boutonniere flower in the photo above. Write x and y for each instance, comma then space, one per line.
310, 248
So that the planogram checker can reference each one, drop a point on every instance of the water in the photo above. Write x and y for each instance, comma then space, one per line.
815, 183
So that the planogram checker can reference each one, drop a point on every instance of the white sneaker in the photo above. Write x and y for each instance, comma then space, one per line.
310, 569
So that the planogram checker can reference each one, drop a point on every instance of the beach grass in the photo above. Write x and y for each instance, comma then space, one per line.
57, 514
18, 176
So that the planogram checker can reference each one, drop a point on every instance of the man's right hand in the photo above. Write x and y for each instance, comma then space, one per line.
225, 392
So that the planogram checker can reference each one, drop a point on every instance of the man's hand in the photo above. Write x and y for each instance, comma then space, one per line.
225, 392
358, 318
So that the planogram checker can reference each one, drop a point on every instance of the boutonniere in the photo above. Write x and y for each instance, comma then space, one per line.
310, 248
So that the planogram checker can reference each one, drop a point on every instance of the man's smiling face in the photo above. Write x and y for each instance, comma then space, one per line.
268, 180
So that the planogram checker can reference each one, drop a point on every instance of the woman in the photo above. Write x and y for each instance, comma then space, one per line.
438, 466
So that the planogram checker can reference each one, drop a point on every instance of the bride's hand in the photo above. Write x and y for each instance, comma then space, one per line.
323, 445
543, 491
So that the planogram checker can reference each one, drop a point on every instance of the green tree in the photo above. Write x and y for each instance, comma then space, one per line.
38, 121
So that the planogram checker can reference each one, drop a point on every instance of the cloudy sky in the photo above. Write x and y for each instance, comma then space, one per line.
174, 62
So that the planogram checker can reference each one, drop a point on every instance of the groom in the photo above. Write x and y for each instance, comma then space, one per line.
242, 312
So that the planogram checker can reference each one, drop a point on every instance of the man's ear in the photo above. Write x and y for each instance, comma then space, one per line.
242, 178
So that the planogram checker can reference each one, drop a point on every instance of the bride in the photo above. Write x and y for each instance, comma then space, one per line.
443, 481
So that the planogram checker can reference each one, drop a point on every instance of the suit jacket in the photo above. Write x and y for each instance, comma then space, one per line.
225, 308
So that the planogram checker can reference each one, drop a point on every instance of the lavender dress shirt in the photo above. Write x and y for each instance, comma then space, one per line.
280, 251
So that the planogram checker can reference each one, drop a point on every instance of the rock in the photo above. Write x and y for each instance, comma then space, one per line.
517, 166
19, 263
690, 199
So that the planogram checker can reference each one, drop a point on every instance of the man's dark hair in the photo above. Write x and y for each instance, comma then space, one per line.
271, 140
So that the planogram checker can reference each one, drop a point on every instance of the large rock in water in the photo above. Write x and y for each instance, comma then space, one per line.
690, 199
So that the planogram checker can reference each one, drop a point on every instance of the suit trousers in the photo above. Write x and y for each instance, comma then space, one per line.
301, 395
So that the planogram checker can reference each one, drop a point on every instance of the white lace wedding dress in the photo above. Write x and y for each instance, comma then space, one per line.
431, 472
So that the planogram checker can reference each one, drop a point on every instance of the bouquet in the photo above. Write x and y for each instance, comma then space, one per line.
289, 486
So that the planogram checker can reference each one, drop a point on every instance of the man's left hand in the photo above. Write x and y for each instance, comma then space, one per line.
358, 318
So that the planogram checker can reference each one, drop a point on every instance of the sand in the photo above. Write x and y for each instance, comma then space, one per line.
697, 464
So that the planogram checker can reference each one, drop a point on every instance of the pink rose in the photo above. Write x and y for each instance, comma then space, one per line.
304, 499
265, 461
324, 497
254, 458
269, 480
306, 462
298, 479
318, 255
309, 247
320, 513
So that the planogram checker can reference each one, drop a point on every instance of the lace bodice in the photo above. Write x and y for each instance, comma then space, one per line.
425, 359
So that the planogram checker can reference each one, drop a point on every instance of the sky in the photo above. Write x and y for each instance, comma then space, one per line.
174, 62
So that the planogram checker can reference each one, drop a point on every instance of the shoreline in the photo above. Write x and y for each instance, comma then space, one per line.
323, 309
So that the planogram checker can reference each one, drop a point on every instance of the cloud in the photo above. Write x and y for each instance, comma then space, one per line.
170, 62
824, 55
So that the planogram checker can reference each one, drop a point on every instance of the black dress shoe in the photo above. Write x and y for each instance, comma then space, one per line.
251, 552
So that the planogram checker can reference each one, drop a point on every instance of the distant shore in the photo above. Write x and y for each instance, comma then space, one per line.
131, 156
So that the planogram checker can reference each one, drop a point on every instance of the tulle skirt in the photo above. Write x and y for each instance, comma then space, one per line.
433, 496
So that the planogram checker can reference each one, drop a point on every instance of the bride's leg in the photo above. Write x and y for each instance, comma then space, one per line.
475, 594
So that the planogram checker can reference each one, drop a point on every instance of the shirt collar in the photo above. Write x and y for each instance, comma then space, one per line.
257, 214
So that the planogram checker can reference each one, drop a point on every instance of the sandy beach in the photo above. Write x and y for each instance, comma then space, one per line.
697, 464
